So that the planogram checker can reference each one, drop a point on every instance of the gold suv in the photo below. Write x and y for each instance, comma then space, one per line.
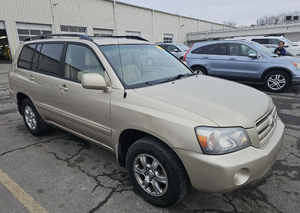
166, 124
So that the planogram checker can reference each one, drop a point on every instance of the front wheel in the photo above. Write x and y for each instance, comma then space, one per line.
156, 172
276, 81
33, 121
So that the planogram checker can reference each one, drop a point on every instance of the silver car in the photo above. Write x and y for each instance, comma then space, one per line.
167, 125
178, 50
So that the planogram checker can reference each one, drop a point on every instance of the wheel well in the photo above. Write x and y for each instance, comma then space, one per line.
192, 67
20, 98
276, 69
127, 138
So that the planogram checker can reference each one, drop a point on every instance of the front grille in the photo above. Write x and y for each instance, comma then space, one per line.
266, 124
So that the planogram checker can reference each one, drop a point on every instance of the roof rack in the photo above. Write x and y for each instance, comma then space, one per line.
81, 36
127, 37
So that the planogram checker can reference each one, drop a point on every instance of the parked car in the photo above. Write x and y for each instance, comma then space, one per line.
167, 125
291, 46
244, 61
178, 50
272, 47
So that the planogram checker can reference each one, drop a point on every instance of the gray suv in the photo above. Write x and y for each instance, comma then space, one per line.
244, 61
167, 125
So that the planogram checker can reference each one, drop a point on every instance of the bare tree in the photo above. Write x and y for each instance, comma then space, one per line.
230, 23
276, 19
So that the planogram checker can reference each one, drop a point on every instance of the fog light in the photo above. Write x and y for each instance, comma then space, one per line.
241, 176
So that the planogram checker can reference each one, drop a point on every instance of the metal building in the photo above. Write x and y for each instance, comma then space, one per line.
20, 19
291, 31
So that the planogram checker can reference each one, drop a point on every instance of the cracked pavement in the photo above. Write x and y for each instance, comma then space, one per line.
64, 173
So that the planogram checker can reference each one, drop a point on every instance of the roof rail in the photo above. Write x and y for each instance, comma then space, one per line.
81, 36
127, 37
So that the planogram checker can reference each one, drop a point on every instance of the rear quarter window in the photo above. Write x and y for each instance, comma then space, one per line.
199, 50
25, 57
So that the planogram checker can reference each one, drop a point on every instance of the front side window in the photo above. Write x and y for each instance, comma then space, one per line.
49, 58
274, 41
143, 65
26, 56
236, 49
80, 60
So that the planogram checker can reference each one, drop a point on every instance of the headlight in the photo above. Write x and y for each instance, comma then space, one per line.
297, 65
217, 141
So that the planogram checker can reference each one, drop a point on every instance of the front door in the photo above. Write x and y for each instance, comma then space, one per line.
86, 111
240, 65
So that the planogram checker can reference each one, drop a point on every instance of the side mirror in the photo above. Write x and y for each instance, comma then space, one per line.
176, 50
253, 55
93, 81
286, 46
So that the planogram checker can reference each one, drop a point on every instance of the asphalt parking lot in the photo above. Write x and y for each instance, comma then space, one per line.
63, 173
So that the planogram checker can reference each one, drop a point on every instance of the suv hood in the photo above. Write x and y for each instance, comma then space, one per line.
224, 102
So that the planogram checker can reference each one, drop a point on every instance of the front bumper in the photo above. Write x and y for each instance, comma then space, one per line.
227, 172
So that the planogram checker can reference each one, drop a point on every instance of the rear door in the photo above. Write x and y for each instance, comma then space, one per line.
43, 78
86, 111
214, 57
240, 65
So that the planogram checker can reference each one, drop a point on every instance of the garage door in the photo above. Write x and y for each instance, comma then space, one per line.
5, 54
102, 32
25, 30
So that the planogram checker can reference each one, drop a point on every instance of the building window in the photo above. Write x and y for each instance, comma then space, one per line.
102, 32
133, 33
26, 30
72, 29
168, 38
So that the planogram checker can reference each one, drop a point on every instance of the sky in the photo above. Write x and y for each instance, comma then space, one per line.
241, 11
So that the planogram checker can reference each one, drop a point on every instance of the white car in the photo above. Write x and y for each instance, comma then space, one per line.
289, 45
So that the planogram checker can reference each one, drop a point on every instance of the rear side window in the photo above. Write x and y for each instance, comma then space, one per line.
217, 49
261, 40
26, 56
49, 58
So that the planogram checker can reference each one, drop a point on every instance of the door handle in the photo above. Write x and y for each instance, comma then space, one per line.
31, 78
205, 57
232, 58
64, 88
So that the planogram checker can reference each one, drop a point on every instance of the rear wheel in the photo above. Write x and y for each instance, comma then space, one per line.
276, 81
33, 121
200, 70
155, 172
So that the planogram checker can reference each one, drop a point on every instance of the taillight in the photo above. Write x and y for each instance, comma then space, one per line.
187, 53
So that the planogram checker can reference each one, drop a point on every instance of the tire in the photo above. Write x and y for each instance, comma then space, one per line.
150, 61
200, 70
33, 121
276, 81
152, 163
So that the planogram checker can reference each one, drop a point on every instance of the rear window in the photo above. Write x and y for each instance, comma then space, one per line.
26, 56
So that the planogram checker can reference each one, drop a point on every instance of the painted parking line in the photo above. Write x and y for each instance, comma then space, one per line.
20, 194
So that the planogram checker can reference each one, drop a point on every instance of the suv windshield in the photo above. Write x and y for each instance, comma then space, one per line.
140, 65
183, 47
264, 49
